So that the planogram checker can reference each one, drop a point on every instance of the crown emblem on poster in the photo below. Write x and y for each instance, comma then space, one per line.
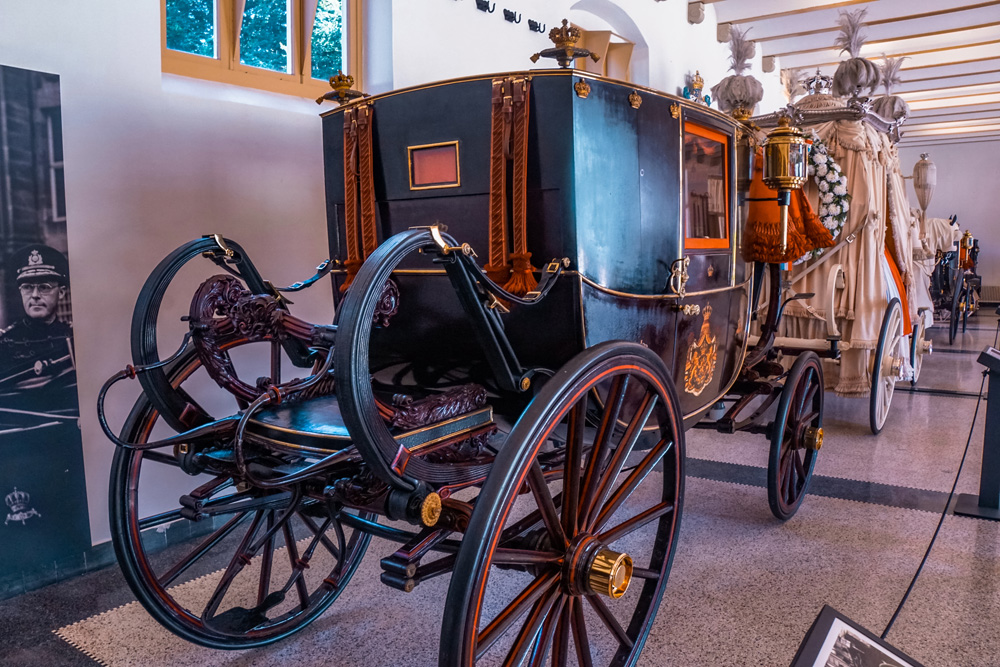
18, 502
35, 258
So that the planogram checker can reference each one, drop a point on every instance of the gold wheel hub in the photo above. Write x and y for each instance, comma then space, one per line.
610, 573
592, 568
813, 438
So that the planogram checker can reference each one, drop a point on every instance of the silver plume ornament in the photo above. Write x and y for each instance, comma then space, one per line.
739, 92
856, 73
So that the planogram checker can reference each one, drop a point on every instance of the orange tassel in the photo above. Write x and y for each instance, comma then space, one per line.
522, 279
817, 235
498, 273
352, 266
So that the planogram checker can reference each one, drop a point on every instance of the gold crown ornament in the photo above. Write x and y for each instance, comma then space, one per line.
565, 51
341, 93
694, 92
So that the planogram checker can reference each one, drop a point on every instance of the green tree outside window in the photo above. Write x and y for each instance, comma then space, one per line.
191, 26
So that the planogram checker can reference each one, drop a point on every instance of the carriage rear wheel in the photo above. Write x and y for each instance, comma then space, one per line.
796, 436
959, 297
573, 534
254, 567
887, 366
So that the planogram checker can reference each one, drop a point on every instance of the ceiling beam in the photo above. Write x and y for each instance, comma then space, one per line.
878, 22
794, 12
901, 38
984, 53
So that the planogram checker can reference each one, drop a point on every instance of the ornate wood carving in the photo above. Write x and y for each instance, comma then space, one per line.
412, 414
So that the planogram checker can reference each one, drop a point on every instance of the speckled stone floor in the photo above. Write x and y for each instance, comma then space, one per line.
744, 588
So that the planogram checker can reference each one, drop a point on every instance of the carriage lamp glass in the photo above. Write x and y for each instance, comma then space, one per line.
786, 154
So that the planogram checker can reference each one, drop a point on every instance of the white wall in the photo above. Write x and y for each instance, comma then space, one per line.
967, 184
154, 161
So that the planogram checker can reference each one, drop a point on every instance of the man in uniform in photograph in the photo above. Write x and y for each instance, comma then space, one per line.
37, 371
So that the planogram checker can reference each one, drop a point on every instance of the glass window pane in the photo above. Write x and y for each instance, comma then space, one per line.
705, 191
264, 36
191, 26
59, 193
328, 39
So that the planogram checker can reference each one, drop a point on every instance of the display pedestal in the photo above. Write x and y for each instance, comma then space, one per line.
987, 504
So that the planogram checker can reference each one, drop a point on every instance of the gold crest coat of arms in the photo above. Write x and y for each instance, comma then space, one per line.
699, 367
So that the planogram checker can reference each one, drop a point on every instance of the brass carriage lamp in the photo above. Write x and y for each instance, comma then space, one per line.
786, 153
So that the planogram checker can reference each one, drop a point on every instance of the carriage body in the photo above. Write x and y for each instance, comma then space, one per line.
605, 187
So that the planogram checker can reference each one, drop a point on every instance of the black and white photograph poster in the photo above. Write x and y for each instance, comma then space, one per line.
44, 515
836, 641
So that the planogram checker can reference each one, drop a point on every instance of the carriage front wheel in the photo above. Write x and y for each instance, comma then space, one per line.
249, 566
572, 536
796, 436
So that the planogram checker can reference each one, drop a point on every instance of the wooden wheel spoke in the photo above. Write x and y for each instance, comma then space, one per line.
621, 454
546, 506
808, 417
809, 396
645, 573
636, 522
630, 483
602, 441
525, 557
203, 548
540, 652
266, 562
241, 557
513, 611
572, 472
610, 622
525, 640
560, 644
580, 638
321, 533
297, 565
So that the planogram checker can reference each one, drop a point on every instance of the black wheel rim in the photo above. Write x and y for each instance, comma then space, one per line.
524, 598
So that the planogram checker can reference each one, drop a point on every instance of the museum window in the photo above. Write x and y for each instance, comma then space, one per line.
284, 46
57, 181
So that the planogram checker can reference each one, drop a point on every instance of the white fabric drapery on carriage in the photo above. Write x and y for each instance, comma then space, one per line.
866, 157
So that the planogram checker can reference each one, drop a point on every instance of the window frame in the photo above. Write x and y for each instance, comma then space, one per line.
721, 243
227, 68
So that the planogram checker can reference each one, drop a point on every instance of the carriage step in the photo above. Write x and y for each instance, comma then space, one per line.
400, 583
240, 620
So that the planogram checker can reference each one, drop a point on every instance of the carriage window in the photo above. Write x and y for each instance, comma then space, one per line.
706, 188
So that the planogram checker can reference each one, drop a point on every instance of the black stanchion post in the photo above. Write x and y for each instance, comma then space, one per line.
987, 504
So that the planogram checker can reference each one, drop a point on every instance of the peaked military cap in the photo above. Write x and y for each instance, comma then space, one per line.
38, 262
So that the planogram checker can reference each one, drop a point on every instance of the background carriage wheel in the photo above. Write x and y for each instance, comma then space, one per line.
243, 579
796, 436
957, 300
572, 515
917, 343
886, 365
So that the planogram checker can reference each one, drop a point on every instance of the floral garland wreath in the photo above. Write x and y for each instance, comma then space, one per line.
834, 201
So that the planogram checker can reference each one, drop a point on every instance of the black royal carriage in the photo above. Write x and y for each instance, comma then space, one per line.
531, 445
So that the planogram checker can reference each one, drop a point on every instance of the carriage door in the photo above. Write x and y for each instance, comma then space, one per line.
702, 366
